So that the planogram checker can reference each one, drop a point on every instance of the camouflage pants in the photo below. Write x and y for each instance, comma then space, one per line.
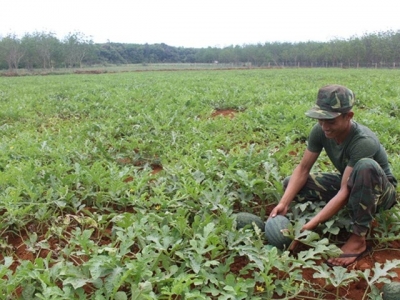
370, 192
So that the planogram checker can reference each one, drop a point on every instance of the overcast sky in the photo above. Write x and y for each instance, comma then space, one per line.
200, 23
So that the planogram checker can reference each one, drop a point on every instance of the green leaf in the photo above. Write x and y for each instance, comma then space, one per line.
120, 296
208, 229
8, 261
381, 272
76, 282
28, 291
230, 280
196, 265
337, 276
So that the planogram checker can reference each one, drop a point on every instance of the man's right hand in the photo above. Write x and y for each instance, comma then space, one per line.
280, 209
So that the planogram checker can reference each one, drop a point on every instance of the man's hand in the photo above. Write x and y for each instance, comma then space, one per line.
280, 209
293, 245
308, 226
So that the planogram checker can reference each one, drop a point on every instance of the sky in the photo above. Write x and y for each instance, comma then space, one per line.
200, 23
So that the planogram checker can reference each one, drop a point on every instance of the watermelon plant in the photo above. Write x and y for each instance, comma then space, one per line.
128, 185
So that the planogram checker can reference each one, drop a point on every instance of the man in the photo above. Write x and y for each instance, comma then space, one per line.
364, 182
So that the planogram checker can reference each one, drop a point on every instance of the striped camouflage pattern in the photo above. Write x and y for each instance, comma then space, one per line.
332, 101
370, 192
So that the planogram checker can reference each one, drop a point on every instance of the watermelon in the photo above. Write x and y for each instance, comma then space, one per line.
391, 291
273, 231
244, 219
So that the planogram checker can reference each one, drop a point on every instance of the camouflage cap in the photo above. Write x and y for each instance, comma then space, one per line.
332, 101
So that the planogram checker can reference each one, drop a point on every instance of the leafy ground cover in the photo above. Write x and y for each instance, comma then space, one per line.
125, 185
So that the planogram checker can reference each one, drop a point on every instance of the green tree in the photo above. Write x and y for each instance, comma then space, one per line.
47, 48
395, 46
207, 55
227, 55
371, 43
11, 51
357, 51
76, 47
31, 58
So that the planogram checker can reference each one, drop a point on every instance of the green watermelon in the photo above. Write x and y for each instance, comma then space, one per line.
391, 291
273, 232
244, 219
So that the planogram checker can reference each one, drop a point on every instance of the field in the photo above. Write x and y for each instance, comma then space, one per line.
125, 185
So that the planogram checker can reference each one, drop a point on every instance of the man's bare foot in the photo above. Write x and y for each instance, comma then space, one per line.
354, 246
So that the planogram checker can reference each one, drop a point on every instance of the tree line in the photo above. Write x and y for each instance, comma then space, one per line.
45, 51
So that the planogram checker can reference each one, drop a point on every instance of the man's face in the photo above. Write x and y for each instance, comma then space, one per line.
335, 128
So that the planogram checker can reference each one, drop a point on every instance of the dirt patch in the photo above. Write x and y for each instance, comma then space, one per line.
141, 163
229, 113
90, 71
